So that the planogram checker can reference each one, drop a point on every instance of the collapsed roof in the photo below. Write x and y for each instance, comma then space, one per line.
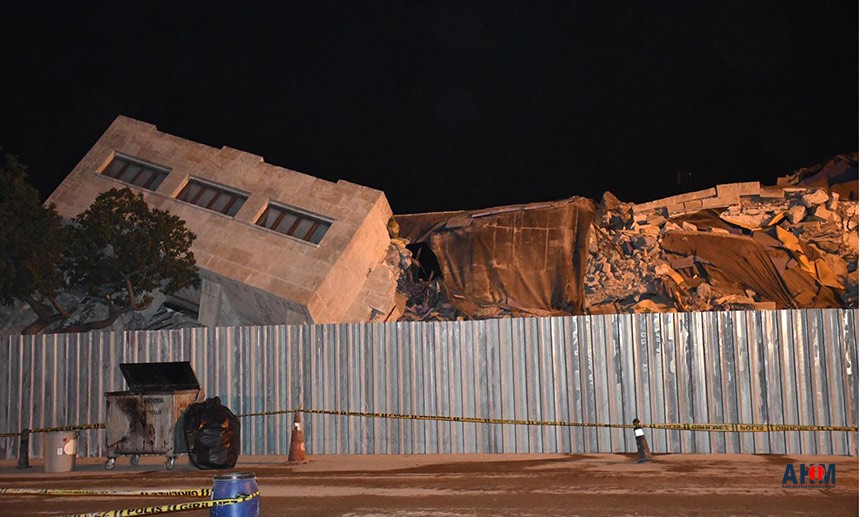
734, 246
519, 259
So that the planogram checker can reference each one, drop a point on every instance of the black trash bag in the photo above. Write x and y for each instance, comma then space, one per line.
213, 434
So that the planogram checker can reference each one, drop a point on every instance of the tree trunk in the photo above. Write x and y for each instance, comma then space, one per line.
45, 317
40, 324
95, 325
59, 308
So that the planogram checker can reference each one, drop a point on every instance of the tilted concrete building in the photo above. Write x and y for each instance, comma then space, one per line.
274, 245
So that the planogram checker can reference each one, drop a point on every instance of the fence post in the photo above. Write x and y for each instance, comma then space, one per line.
24, 450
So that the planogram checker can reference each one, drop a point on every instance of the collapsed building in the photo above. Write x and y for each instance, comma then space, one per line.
274, 245
734, 246
518, 260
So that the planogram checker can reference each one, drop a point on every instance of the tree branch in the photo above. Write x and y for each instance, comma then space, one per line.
96, 325
42, 311
59, 308
40, 324
131, 300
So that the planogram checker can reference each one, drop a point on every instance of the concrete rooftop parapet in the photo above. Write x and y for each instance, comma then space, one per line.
721, 196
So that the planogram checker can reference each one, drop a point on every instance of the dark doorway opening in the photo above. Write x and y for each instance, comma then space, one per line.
427, 267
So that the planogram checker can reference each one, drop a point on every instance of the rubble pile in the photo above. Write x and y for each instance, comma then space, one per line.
423, 296
739, 246
735, 246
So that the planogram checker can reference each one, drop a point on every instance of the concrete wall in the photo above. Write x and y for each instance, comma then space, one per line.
720, 196
322, 280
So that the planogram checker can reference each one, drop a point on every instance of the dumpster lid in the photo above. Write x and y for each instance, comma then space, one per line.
159, 376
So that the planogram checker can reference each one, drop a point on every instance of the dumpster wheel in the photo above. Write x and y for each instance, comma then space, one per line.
110, 463
135, 459
171, 461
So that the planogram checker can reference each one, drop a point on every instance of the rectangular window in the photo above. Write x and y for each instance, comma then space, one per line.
296, 224
137, 173
214, 198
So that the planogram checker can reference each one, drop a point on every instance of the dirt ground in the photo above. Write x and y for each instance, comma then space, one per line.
450, 485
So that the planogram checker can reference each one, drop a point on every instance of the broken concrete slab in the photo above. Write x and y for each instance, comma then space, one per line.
672, 227
750, 221
796, 214
823, 213
815, 198
656, 220
749, 188
728, 193
833, 202
772, 193
689, 227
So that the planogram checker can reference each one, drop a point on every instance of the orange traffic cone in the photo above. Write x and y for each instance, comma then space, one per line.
297, 442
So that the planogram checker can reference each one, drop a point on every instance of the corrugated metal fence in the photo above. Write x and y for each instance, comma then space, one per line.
792, 367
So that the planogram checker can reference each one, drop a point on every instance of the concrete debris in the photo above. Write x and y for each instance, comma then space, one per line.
750, 221
815, 198
740, 246
796, 214
808, 233
822, 213
772, 193
833, 202
615, 213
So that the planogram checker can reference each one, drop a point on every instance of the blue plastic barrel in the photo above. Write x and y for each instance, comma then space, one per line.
228, 486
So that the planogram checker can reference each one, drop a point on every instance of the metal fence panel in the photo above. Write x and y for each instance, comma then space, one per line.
792, 367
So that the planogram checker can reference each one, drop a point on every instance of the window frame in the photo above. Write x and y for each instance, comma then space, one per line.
159, 171
209, 186
301, 215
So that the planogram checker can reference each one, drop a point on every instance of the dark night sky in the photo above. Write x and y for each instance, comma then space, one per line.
447, 105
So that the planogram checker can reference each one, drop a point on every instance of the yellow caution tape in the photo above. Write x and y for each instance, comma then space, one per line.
750, 428
178, 507
735, 428
81, 427
180, 492
269, 413
727, 428
464, 419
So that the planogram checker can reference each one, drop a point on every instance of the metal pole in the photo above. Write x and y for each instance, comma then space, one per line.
24, 450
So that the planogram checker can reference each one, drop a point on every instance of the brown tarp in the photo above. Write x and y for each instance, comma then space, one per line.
525, 259
732, 264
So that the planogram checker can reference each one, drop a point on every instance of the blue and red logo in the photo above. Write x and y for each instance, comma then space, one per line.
814, 475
